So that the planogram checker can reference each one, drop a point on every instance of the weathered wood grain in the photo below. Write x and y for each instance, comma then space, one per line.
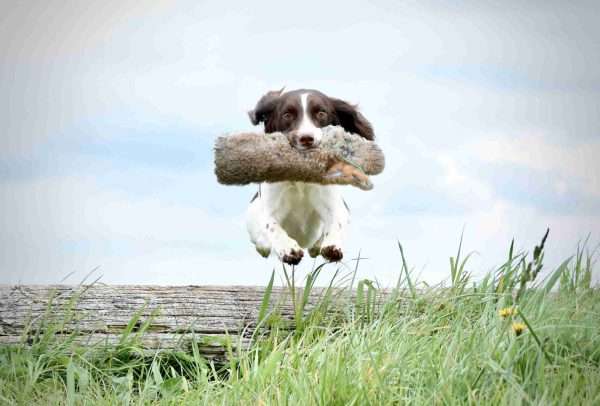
100, 313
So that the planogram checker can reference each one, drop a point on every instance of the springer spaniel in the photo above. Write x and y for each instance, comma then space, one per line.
285, 217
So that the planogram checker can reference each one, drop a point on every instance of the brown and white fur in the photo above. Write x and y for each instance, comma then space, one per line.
285, 217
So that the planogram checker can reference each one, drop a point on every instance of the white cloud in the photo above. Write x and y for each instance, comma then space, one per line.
42, 218
577, 161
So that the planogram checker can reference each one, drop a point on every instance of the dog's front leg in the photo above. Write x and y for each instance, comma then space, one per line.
268, 236
335, 217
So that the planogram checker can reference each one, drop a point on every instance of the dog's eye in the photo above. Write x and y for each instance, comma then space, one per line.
322, 115
287, 116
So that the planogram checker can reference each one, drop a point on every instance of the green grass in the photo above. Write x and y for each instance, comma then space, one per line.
445, 344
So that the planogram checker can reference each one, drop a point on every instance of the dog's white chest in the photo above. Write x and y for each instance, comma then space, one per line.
298, 207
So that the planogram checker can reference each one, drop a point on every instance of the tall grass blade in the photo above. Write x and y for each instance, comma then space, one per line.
411, 286
555, 276
264, 305
535, 336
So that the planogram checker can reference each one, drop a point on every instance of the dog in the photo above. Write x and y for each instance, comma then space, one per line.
287, 217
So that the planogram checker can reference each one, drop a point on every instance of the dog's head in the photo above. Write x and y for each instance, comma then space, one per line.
302, 113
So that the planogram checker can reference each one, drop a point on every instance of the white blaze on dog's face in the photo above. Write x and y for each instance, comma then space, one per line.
307, 135
301, 114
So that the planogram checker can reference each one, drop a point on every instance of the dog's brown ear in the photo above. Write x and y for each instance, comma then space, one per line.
352, 120
264, 107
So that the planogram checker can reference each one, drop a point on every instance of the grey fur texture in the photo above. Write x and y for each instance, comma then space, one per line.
341, 158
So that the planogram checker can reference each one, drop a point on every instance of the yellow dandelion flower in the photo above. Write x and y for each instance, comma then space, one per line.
518, 328
507, 311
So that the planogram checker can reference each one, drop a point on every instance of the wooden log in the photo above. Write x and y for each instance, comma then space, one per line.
99, 313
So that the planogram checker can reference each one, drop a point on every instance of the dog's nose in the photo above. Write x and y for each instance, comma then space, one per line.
306, 140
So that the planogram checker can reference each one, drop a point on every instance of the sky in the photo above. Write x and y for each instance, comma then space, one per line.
488, 113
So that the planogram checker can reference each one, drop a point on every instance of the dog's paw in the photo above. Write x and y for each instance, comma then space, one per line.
332, 253
288, 251
293, 256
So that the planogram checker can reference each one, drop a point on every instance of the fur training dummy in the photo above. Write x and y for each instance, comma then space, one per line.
341, 158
